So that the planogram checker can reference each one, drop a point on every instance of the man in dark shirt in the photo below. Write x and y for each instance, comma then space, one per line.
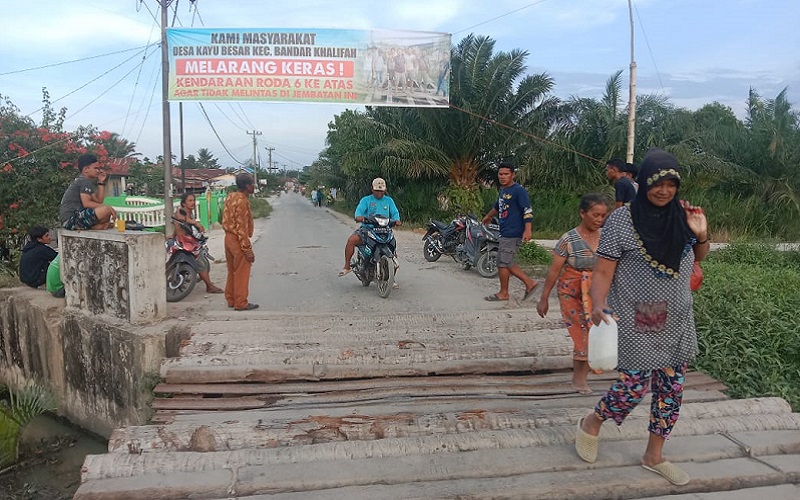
81, 206
624, 190
516, 218
36, 256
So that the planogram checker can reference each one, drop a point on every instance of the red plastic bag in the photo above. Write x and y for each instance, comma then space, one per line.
696, 279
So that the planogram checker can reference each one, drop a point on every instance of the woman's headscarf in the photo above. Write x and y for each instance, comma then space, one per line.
662, 232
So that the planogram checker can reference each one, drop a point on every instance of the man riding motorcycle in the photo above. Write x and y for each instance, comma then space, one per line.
378, 203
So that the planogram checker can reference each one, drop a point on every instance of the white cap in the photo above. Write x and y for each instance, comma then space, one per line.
378, 184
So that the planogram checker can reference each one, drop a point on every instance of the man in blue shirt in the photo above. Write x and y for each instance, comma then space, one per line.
624, 190
378, 203
513, 208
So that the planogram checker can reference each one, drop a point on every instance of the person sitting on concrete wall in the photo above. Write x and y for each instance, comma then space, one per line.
82, 206
36, 256
54, 284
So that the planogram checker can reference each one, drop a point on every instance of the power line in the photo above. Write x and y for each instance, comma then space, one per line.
89, 82
501, 16
107, 90
526, 134
649, 49
150, 103
136, 83
217, 135
73, 61
229, 119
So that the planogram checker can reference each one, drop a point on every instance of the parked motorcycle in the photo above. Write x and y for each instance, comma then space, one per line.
183, 253
480, 248
442, 239
374, 261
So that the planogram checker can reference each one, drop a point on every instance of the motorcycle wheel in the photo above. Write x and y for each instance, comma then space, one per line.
487, 264
180, 282
430, 251
357, 270
385, 277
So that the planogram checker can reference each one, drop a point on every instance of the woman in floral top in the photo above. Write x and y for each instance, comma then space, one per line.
574, 254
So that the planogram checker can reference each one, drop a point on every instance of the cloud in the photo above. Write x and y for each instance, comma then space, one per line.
77, 32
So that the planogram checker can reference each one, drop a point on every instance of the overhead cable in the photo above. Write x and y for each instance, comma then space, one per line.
73, 61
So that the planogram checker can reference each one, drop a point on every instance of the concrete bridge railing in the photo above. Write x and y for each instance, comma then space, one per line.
100, 355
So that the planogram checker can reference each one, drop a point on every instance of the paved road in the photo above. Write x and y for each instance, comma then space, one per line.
299, 252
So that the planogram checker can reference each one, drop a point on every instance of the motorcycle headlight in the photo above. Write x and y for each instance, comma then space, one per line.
382, 221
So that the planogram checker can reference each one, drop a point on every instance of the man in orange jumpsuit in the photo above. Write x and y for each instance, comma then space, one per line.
237, 221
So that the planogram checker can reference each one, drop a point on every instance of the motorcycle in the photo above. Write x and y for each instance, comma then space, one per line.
374, 260
183, 253
442, 239
480, 248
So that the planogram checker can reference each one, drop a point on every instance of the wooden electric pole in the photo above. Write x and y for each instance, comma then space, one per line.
631, 97
255, 133
165, 119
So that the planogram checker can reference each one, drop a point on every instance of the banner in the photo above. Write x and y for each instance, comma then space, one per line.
377, 68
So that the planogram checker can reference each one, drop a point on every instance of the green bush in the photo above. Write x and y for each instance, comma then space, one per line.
533, 253
746, 325
260, 207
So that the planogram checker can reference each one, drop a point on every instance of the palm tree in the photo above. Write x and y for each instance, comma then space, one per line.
490, 99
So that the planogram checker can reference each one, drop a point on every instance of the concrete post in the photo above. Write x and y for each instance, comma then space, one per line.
119, 274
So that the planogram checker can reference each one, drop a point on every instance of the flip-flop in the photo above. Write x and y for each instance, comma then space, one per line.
585, 444
215, 290
529, 292
493, 298
670, 472
344, 272
248, 307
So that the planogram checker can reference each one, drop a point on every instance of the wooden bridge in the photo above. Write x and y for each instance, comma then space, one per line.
420, 406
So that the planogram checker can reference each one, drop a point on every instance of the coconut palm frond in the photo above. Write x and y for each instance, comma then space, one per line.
21, 407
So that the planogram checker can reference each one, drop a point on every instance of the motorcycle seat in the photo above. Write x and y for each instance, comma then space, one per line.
439, 224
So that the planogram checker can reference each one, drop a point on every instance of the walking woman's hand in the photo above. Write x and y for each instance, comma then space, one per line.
600, 313
543, 306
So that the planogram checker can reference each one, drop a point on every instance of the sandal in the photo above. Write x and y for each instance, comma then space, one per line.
529, 292
344, 272
248, 307
214, 289
585, 444
670, 472
493, 298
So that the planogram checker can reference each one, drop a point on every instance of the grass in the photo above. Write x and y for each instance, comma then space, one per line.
746, 323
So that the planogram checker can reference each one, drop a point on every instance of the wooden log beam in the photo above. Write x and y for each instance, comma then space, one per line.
261, 430
550, 470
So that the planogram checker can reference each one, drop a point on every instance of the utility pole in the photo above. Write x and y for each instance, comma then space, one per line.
270, 150
254, 133
183, 158
631, 97
165, 119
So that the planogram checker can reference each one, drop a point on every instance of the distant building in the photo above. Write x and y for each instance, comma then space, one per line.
197, 179
117, 175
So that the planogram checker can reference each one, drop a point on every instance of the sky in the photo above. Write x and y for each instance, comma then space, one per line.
88, 55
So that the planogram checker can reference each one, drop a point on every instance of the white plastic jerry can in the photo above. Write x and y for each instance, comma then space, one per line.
603, 345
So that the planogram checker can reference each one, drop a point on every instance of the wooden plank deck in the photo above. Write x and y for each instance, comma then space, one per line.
419, 406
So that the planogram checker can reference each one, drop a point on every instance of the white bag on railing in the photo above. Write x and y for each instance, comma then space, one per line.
603, 346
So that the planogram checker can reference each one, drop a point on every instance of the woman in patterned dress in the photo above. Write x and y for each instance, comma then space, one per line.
574, 254
641, 276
